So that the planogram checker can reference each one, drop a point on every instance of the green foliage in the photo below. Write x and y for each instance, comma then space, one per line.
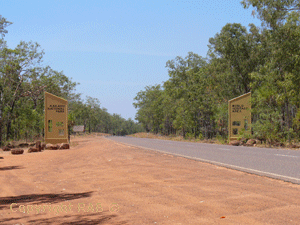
265, 61
221, 139
296, 122
22, 85
150, 107
272, 12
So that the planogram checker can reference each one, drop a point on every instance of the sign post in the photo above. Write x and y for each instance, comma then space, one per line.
56, 119
239, 115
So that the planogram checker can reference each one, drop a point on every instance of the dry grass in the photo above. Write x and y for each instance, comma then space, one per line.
93, 134
174, 138
210, 141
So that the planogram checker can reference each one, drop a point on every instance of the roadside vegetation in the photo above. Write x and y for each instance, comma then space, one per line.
193, 102
23, 80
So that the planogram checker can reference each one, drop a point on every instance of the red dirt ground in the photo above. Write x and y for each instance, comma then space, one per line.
99, 181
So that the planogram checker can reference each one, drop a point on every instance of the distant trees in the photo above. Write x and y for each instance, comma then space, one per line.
22, 84
265, 61
96, 119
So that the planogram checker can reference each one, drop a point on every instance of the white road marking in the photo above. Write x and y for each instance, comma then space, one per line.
287, 155
257, 172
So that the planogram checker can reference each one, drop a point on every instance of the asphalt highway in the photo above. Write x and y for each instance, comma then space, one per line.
275, 163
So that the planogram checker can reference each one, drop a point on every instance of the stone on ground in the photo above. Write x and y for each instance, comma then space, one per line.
23, 145
32, 149
292, 146
38, 146
17, 151
10, 145
64, 146
250, 142
6, 148
234, 143
51, 147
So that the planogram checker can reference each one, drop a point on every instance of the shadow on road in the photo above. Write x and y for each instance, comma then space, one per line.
5, 202
3, 221
82, 219
11, 168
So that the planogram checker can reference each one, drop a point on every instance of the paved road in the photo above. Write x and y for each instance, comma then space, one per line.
275, 163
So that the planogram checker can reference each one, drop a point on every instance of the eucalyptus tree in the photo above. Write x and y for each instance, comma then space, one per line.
93, 116
273, 13
278, 81
149, 107
189, 88
17, 66
3, 24
235, 53
276, 84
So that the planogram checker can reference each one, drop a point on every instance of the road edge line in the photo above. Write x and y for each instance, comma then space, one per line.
229, 166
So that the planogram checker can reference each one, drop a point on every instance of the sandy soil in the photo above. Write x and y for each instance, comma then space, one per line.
99, 181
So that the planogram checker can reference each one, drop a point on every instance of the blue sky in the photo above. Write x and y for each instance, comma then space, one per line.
116, 48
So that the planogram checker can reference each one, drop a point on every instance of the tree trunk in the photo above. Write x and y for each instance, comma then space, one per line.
8, 130
69, 131
288, 118
1, 125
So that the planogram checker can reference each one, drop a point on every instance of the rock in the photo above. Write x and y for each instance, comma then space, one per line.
17, 151
250, 142
23, 145
254, 145
43, 146
277, 144
292, 146
234, 143
243, 141
51, 147
5, 148
48, 146
11, 145
261, 140
32, 149
38, 146
64, 146
258, 141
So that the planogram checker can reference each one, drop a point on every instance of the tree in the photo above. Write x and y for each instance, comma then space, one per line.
277, 82
17, 65
273, 13
3, 24
234, 54
150, 108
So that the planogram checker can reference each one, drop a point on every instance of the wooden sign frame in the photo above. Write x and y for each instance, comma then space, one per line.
56, 119
239, 115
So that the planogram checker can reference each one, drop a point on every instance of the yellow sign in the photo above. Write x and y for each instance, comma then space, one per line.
56, 119
239, 115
